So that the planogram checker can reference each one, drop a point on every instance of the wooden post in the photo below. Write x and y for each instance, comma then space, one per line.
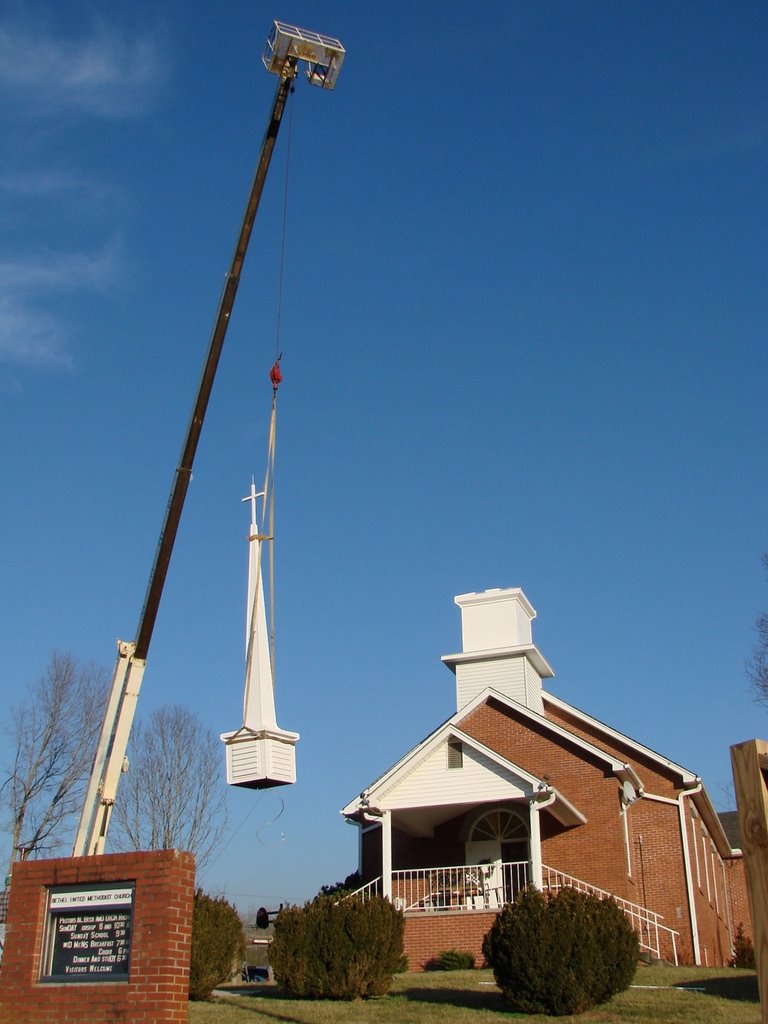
749, 761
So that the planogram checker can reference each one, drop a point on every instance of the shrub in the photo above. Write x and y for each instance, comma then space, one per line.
332, 949
743, 950
350, 883
560, 954
454, 960
218, 944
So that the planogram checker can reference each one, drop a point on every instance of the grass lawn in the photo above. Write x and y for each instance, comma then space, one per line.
660, 995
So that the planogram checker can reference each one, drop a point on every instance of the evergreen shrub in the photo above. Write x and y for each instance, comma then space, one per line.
453, 960
339, 889
743, 950
560, 953
331, 949
218, 944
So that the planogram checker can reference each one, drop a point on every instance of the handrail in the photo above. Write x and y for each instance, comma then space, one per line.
647, 923
365, 892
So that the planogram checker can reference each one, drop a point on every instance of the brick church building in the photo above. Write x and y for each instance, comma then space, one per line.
518, 787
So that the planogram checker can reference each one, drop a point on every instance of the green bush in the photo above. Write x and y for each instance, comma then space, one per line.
331, 949
218, 944
743, 950
453, 960
560, 954
350, 883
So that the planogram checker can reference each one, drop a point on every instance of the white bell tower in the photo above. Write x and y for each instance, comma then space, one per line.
498, 649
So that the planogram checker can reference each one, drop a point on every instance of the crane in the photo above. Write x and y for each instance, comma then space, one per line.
286, 46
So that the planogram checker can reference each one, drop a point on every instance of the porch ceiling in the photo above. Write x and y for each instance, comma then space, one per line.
421, 822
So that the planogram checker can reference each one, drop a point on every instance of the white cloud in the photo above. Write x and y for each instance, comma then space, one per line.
52, 78
47, 184
66, 271
105, 74
30, 335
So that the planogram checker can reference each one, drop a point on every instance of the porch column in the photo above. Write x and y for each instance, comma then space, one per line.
386, 855
535, 844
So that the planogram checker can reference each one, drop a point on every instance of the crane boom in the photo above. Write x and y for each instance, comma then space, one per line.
131, 658
285, 47
184, 471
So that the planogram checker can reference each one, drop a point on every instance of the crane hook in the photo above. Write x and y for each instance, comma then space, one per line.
274, 374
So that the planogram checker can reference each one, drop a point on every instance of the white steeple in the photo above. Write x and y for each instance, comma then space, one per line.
259, 754
259, 698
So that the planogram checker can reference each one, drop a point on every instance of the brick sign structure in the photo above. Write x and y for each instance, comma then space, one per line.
99, 939
88, 933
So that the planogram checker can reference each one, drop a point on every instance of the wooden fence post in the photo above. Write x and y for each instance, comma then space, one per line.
749, 761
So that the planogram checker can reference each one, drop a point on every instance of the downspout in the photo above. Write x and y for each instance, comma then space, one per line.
541, 799
727, 898
688, 875
360, 826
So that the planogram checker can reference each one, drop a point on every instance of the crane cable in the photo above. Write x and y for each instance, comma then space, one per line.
276, 377
269, 506
284, 232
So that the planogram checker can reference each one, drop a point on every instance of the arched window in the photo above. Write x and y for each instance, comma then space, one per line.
500, 838
504, 835
504, 825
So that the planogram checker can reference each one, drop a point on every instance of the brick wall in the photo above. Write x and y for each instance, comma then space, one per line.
738, 894
428, 935
158, 982
654, 780
594, 852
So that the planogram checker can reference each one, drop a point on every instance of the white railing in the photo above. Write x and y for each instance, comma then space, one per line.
490, 886
459, 886
646, 923
366, 891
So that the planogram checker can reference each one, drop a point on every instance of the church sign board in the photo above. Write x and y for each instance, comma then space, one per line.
88, 936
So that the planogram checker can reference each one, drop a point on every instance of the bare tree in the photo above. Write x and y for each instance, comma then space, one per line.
757, 666
52, 734
174, 794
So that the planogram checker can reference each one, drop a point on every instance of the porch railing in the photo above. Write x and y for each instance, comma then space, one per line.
459, 887
490, 886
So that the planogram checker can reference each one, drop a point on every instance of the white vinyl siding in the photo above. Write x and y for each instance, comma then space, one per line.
533, 688
514, 677
433, 782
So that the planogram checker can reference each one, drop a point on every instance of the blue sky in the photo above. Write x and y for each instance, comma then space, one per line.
523, 330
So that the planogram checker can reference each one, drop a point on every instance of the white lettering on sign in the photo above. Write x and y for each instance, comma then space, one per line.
91, 898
